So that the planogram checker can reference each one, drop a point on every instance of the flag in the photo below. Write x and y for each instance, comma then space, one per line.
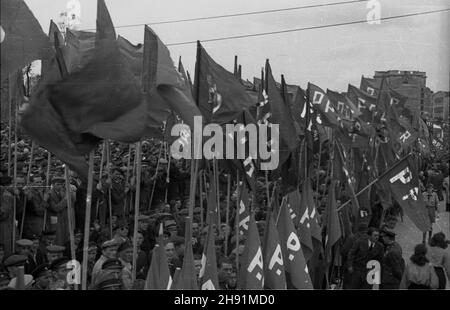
403, 181
133, 55
343, 105
177, 283
105, 27
369, 86
218, 93
365, 102
251, 273
160, 73
321, 103
300, 206
297, 275
188, 273
333, 226
209, 278
79, 49
158, 277
274, 270
211, 217
244, 209
21, 39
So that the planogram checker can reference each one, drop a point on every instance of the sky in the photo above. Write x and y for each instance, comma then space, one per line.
329, 57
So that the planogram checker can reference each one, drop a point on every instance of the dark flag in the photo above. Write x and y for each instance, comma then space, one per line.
251, 273
321, 103
346, 109
302, 219
158, 277
218, 93
297, 275
188, 273
208, 273
274, 270
403, 181
365, 102
369, 86
333, 226
244, 209
79, 49
22, 38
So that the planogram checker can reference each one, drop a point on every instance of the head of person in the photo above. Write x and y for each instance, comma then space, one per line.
125, 252
391, 222
109, 249
143, 224
35, 239
48, 237
419, 257
13, 263
439, 240
226, 266
388, 237
23, 247
54, 252
172, 227
92, 251
373, 233
112, 266
195, 230
121, 229
225, 229
430, 188
117, 176
197, 264
139, 239
170, 250
61, 268
58, 184
43, 276
180, 245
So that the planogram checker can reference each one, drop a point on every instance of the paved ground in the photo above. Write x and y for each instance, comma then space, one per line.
408, 236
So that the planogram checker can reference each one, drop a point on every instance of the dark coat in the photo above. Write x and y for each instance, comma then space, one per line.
392, 267
359, 255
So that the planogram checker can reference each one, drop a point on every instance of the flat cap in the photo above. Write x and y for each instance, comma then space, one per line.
59, 262
112, 264
16, 260
55, 248
24, 242
388, 232
41, 271
112, 283
109, 243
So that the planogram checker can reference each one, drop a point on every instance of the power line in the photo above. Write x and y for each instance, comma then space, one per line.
306, 28
238, 14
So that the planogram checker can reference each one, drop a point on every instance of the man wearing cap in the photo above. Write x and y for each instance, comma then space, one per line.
23, 247
7, 221
54, 252
47, 238
121, 232
35, 207
13, 263
392, 265
125, 254
60, 269
108, 281
57, 215
43, 277
109, 250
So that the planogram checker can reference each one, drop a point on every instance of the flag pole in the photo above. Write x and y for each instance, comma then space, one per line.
168, 175
69, 216
374, 181
154, 178
108, 170
127, 176
87, 222
10, 103
30, 164
227, 213
136, 209
317, 173
47, 183
15, 176
100, 179
200, 188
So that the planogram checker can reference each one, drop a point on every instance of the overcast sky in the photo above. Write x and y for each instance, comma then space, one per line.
330, 57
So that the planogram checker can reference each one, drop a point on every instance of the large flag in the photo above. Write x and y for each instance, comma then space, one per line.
274, 270
403, 181
158, 277
369, 86
188, 273
365, 102
343, 105
321, 103
244, 209
297, 275
299, 205
251, 273
21, 37
218, 93
79, 49
209, 279
333, 226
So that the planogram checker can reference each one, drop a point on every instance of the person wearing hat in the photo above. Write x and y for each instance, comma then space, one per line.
392, 264
47, 238
23, 247
43, 277
35, 207
7, 221
431, 202
54, 252
121, 231
13, 263
60, 269
439, 256
108, 282
57, 215
109, 250
125, 254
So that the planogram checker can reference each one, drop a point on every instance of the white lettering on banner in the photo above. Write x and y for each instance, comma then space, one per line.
293, 244
413, 192
363, 213
361, 103
304, 217
405, 136
370, 90
241, 207
404, 176
248, 162
265, 99
291, 212
317, 97
244, 224
394, 101
277, 258
256, 261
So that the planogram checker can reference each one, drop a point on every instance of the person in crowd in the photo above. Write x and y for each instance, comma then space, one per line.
109, 251
47, 238
419, 274
125, 255
35, 207
446, 187
439, 256
23, 247
363, 251
54, 252
392, 265
43, 277
7, 222
432, 202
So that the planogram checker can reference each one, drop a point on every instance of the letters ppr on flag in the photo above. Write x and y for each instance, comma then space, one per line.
403, 181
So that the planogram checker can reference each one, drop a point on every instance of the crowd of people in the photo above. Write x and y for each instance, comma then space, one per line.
35, 223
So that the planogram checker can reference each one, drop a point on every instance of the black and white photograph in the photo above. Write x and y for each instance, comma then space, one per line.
245, 147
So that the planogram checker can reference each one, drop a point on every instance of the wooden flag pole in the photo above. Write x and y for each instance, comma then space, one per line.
15, 178
108, 170
127, 177
136, 208
69, 215
200, 188
27, 184
10, 103
318, 172
47, 184
168, 177
227, 213
87, 222
100, 180
154, 177
216, 182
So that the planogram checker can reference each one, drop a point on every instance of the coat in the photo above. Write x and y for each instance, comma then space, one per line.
34, 214
57, 216
7, 222
392, 267
359, 255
